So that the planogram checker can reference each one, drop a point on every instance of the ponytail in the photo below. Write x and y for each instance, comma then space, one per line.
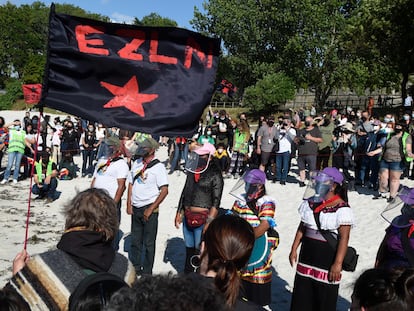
227, 281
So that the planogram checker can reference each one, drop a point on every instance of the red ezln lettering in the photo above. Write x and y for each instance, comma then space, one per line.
86, 45
154, 57
194, 47
130, 49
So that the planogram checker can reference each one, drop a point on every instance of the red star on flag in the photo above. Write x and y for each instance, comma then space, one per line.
128, 96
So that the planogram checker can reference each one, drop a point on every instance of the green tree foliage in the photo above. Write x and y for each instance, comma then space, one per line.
309, 40
23, 38
269, 93
13, 91
382, 33
155, 19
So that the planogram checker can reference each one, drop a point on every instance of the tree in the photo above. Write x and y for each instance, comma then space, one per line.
301, 38
155, 19
23, 37
384, 39
269, 93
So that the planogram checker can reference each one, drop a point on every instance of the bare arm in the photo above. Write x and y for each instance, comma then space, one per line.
296, 242
129, 200
336, 268
408, 149
259, 143
261, 228
120, 190
163, 193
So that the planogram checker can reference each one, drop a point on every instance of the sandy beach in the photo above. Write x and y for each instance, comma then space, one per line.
46, 225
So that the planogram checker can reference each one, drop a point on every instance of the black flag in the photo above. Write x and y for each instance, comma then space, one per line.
154, 80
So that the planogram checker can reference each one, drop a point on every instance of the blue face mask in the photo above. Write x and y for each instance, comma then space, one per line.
17, 127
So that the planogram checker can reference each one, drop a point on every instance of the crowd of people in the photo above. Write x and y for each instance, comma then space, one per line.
231, 249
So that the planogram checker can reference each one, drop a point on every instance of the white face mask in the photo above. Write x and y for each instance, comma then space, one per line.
208, 132
220, 150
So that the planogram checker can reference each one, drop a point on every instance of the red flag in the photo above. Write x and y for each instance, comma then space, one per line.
226, 87
32, 93
147, 79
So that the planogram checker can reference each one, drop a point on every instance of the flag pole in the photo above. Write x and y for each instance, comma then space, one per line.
31, 178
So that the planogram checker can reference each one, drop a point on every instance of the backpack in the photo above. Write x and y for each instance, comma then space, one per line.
95, 290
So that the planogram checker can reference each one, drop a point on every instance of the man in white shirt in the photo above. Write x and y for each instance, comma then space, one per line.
147, 188
111, 172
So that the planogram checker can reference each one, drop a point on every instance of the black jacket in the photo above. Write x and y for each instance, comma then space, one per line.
206, 192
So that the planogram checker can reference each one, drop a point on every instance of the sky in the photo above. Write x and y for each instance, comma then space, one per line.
181, 11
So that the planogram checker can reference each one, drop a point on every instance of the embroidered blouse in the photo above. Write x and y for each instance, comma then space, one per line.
330, 217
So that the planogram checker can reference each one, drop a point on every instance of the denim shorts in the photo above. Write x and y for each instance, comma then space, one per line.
392, 166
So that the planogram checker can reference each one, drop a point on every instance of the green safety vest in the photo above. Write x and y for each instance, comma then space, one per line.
240, 143
17, 141
39, 170
404, 144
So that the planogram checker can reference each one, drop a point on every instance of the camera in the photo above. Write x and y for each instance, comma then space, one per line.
337, 132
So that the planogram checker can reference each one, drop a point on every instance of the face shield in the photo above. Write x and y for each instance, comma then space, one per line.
239, 189
196, 163
130, 147
400, 212
142, 148
106, 150
199, 159
318, 187
250, 186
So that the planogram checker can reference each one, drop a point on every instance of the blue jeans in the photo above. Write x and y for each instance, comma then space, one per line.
369, 165
192, 236
282, 165
15, 157
48, 190
178, 155
143, 236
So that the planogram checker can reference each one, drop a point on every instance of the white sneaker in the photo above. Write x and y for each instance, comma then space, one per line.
3, 181
15, 181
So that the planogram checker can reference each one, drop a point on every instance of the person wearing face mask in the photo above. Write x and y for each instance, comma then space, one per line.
397, 246
207, 137
258, 209
307, 140
396, 153
200, 199
223, 158
4, 139
223, 127
70, 139
111, 172
147, 189
17, 143
319, 266
266, 136
89, 143
240, 150
369, 169
45, 181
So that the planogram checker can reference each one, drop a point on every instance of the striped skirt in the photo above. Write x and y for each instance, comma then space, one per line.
312, 291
